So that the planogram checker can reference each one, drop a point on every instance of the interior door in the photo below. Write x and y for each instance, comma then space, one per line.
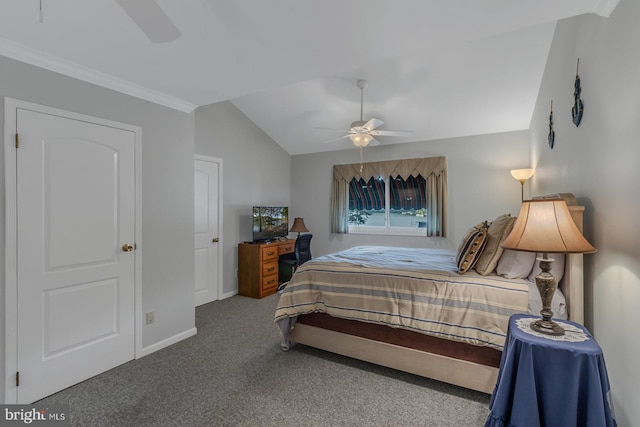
207, 238
75, 236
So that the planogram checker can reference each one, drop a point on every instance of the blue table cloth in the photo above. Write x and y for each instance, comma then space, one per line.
547, 382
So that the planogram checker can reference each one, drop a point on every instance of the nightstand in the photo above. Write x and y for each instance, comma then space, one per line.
550, 381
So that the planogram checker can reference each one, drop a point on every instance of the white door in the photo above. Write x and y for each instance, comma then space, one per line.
75, 273
208, 223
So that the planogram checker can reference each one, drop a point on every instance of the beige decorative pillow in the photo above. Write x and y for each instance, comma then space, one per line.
498, 231
471, 247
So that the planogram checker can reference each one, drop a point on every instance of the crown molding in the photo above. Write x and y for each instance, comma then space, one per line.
604, 7
49, 62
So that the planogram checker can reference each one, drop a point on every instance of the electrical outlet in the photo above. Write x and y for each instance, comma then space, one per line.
149, 317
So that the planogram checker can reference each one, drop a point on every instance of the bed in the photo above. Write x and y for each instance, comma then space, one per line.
412, 310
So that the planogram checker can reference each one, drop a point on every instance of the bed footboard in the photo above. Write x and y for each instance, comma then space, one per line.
442, 368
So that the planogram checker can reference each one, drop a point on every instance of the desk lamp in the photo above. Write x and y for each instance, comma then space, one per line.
546, 226
298, 226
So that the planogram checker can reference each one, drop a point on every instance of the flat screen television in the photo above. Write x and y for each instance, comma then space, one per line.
270, 223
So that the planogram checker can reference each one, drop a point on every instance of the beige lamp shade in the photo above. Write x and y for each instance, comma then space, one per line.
522, 174
298, 226
546, 226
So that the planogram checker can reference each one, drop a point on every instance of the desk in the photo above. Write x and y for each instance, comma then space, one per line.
258, 267
547, 382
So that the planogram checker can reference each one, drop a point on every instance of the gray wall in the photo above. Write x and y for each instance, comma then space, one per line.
167, 188
479, 180
598, 161
256, 171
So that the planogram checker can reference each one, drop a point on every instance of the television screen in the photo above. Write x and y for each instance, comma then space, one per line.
270, 222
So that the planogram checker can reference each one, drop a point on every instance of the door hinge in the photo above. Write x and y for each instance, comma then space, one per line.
17, 141
17, 379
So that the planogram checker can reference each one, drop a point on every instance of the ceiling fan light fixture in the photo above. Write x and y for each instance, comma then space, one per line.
360, 139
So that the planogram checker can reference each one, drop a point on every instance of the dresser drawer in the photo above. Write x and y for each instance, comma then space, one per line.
270, 283
269, 253
269, 268
287, 248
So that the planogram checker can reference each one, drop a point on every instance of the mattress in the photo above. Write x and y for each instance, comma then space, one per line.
414, 289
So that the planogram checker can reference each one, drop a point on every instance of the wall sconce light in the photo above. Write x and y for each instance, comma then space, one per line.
522, 175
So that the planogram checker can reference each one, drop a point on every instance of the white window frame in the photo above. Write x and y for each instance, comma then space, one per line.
387, 230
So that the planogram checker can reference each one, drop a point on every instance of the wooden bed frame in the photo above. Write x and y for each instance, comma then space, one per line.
459, 372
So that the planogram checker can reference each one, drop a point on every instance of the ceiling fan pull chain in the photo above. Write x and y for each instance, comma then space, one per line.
360, 159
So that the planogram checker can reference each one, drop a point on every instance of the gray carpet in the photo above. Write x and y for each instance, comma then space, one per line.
233, 373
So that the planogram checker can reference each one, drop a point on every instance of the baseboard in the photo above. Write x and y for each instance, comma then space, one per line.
167, 342
229, 294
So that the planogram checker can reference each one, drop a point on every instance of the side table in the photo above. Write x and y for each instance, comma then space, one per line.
550, 381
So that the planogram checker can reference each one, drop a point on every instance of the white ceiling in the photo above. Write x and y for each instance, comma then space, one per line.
439, 68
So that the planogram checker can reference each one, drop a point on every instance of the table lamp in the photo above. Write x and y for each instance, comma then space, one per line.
522, 175
298, 226
546, 226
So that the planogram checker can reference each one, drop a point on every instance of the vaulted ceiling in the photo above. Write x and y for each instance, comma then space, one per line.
438, 68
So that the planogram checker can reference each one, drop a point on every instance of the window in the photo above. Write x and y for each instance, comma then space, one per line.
403, 197
393, 205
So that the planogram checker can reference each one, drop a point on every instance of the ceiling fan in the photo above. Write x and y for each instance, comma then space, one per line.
362, 132
151, 19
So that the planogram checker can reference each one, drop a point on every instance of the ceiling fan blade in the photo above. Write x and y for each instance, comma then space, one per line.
151, 19
372, 124
373, 143
391, 132
336, 139
335, 130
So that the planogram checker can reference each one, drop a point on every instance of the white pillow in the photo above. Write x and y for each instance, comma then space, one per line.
558, 302
515, 264
557, 267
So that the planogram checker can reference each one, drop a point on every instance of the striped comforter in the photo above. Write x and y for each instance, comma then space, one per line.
415, 289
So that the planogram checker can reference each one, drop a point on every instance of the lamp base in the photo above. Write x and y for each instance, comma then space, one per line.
546, 284
547, 327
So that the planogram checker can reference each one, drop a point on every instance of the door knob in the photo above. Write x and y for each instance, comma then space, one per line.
127, 247
215, 240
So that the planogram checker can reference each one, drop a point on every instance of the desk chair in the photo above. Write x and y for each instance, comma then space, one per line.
289, 263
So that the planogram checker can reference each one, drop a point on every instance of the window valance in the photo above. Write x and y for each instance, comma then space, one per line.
406, 167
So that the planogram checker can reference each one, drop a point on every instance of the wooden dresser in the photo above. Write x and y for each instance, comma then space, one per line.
258, 267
